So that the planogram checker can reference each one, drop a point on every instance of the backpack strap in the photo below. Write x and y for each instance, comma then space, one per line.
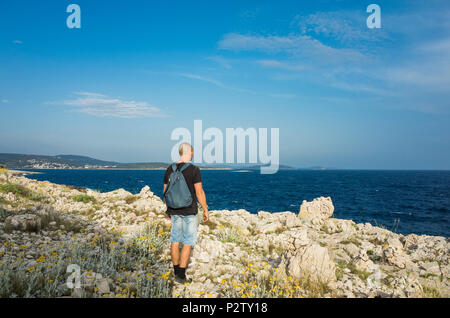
187, 164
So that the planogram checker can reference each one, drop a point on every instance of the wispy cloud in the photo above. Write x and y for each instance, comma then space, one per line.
5, 101
17, 42
346, 27
213, 81
294, 45
204, 79
103, 106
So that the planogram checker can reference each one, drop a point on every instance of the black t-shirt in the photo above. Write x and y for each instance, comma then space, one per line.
191, 175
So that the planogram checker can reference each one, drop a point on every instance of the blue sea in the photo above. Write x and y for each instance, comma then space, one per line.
402, 201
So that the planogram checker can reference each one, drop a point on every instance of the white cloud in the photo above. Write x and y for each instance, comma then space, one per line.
303, 46
344, 26
103, 106
17, 42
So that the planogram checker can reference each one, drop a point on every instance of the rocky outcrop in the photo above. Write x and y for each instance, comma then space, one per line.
307, 249
317, 210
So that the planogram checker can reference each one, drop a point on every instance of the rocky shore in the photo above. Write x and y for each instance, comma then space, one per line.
119, 241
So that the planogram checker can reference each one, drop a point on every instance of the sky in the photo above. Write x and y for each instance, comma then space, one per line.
342, 95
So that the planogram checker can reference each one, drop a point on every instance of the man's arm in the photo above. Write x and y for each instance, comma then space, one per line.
201, 197
164, 190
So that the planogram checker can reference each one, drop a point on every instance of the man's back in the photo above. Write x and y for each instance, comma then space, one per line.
192, 175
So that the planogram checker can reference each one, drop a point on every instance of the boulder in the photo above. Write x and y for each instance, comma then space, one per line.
146, 193
352, 250
270, 227
430, 268
311, 262
103, 286
293, 221
118, 194
318, 209
394, 254
413, 288
23, 222
363, 263
411, 241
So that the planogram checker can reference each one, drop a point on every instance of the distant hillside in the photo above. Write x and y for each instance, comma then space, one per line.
143, 165
21, 161
83, 160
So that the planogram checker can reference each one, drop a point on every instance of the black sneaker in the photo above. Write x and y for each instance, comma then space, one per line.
182, 280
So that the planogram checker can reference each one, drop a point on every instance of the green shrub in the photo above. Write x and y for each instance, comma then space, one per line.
16, 189
83, 198
20, 191
132, 266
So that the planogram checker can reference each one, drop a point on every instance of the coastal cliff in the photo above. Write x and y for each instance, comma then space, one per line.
120, 242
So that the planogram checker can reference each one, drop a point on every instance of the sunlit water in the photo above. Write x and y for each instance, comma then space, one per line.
417, 200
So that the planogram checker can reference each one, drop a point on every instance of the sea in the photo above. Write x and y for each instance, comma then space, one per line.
401, 201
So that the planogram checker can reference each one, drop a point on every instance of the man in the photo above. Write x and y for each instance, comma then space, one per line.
185, 220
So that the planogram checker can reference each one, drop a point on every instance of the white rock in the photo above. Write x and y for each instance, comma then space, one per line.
103, 286
146, 193
311, 262
23, 222
318, 209
293, 221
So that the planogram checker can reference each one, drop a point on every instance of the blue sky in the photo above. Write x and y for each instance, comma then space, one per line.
343, 95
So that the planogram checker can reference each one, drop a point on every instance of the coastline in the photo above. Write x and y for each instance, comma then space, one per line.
307, 254
29, 172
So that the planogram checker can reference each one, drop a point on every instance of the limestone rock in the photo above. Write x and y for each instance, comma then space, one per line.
146, 193
23, 222
318, 209
270, 227
430, 268
293, 221
394, 254
414, 289
352, 250
363, 263
102, 286
311, 262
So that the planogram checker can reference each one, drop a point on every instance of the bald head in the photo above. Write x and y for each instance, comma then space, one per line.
185, 148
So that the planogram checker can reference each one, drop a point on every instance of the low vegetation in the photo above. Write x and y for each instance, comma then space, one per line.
119, 261
83, 198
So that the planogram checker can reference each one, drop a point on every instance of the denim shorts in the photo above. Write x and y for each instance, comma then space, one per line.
184, 229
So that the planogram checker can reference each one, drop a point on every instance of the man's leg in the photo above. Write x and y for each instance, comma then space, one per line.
190, 225
185, 254
175, 253
175, 238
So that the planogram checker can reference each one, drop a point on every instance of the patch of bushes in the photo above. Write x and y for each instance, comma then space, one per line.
20, 191
83, 198
132, 266
252, 283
